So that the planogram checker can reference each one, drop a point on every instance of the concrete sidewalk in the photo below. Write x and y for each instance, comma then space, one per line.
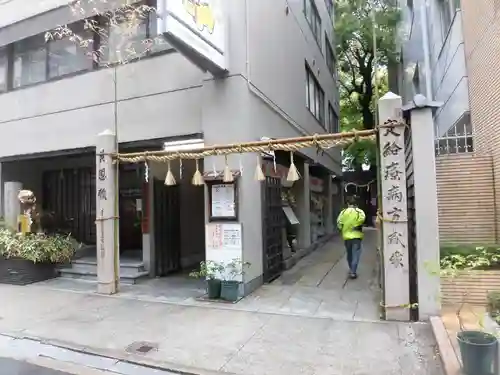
272, 333
315, 287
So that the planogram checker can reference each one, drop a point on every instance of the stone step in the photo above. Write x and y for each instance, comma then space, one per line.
86, 269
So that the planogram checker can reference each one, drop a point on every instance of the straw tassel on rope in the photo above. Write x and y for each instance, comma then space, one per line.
170, 179
197, 177
259, 174
228, 175
293, 173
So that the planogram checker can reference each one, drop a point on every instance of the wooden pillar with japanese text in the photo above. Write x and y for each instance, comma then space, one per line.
106, 215
394, 210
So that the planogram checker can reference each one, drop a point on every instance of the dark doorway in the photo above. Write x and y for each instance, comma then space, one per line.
130, 213
69, 196
167, 231
273, 223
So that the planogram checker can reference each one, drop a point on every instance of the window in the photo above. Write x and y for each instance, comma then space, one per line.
125, 36
30, 61
34, 60
330, 56
313, 18
315, 97
133, 36
67, 55
445, 12
458, 139
333, 120
329, 7
4, 64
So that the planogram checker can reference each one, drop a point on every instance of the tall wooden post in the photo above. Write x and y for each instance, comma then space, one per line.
394, 210
106, 215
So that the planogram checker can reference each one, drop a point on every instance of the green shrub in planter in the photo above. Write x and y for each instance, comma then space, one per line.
230, 287
29, 258
210, 270
36, 247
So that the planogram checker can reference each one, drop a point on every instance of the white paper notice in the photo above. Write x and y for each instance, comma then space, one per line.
223, 204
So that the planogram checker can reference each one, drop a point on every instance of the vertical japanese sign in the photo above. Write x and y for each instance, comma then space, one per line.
102, 195
394, 213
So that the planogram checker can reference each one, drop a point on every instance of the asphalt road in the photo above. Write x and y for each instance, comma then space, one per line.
12, 367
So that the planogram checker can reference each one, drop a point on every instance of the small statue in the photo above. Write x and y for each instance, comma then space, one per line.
30, 222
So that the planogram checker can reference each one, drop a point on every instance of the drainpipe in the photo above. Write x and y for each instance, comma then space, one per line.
425, 45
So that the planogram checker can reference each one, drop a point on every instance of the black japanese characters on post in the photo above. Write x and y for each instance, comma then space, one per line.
101, 156
396, 259
102, 194
392, 172
394, 194
391, 148
395, 239
391, 130
395, 213
102, 175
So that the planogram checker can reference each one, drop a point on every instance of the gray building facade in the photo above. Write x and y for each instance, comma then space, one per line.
434, 64
54, 101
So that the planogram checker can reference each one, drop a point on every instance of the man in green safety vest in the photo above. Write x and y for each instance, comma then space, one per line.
350, 222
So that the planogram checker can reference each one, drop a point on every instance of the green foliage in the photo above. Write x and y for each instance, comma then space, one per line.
208, 269
468, 257
36, 247
235, 268
356, 22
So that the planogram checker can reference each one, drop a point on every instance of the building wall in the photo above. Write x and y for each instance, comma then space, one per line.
466, 198
167, 96
448, 81
482, 33
449, 74
482, 47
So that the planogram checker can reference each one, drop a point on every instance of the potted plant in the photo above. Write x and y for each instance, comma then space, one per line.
230, 287
210, 270
32, 257
478, 350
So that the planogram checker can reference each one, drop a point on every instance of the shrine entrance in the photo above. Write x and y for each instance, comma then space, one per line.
408, 237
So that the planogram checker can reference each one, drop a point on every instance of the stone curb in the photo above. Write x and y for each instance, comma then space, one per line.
118, 356
448, 356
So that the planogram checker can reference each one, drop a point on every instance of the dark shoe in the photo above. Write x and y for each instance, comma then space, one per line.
353, 275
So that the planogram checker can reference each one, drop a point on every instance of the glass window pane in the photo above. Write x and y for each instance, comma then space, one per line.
307, 10
127, 36
468, 128
159, 43
322, 107
308, 106
443, 146
311, 94
30, 59
3, 69
470, 146
72, 53
317, 102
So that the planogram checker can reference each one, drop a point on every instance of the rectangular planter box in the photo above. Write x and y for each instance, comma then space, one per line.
23, 272
469, 286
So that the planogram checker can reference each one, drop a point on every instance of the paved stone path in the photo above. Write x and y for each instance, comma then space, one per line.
310, 322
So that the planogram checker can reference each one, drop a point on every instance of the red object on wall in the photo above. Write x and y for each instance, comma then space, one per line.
145, 208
